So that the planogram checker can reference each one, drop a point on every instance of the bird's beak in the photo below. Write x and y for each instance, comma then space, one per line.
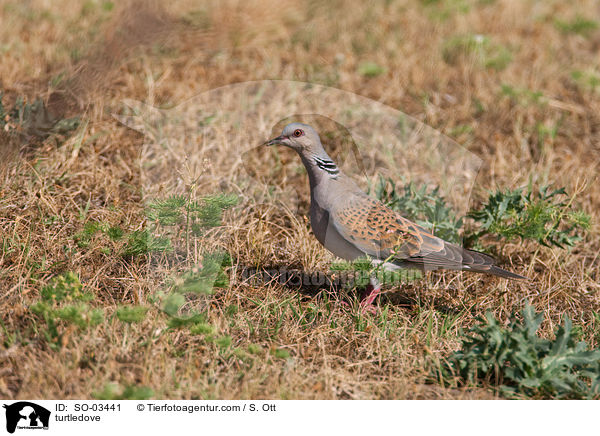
276, 141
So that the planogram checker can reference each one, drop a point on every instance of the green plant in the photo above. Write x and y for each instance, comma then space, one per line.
115, 233
131, 314
586, 80
177, 215
197, 215
92, 229
461, 129
356, 274
352, 274
480, 48
523, 96
65, 287
200, 280
202, 329
175, 211
198, 18
141, 242
113, 391
420, 204
223, 342
84, 237
182, 214
546, 132
280, 353
518, 361
34, 120
255, 349
370, 69
203, 279
444, 9
579, 25
543, 215
64, 302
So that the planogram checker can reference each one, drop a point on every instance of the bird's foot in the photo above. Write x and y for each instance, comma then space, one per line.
367, 302
371, 308
371, 295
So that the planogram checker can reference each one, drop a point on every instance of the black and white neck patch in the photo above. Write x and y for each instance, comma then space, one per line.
327, 165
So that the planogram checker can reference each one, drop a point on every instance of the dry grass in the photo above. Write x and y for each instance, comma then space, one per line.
84, 59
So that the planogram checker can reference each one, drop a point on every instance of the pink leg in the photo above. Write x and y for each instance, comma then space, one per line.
373, 289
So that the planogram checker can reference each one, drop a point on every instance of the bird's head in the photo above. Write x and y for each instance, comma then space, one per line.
300, 137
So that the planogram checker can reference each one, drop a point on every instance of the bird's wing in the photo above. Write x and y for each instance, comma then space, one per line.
381, 233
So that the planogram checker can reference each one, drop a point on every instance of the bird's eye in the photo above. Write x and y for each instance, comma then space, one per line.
298, 133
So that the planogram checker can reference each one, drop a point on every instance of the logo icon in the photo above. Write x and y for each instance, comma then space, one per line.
26, 415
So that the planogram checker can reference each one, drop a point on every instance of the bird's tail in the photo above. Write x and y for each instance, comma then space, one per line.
484, 263
455, 257
497, 271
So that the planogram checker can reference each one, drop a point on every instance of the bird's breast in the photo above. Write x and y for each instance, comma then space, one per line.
326, 233
319, 221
